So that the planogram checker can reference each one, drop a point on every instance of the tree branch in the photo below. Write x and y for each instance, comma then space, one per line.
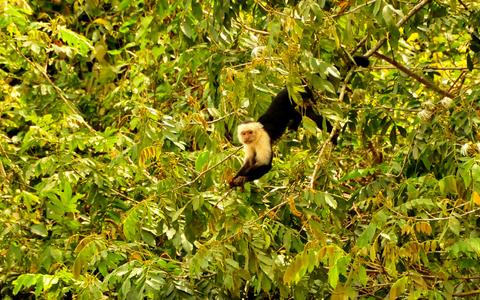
467, 294
400, 23
427, 68
423, 80
417, 77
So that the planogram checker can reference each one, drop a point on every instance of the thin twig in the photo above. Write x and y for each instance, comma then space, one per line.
209, 169
265, 213
414, 219
332, 133
320, 155
270, 10
397, 108
223, 197
461, 78
246, 27
344, 86
354, 9
221, 118
55, 87
446, 218
464, 5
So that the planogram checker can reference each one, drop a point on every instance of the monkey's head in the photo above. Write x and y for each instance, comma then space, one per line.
248, 132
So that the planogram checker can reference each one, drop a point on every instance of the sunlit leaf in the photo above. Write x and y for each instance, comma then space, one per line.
39, 229
75, 40
367, 235
398, 288
333, 275
476, 198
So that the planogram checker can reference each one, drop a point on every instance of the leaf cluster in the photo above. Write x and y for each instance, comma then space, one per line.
117, 138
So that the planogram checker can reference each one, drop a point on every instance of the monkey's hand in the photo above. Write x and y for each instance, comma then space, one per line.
238, 181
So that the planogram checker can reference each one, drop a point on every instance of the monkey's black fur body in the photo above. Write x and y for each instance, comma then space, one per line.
283, 113
361, 61
250, 171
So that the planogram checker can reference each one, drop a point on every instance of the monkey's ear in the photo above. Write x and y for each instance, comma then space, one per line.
249, 120
361, 61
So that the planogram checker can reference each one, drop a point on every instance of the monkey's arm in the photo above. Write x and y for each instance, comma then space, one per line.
249, 172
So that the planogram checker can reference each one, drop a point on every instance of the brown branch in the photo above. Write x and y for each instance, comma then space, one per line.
354, 9
467, 294
464, 5
360, 44
417, 77
427, 68
344, 85
400, 23
460, 79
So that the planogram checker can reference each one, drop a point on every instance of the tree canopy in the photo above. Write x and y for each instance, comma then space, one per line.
118, 135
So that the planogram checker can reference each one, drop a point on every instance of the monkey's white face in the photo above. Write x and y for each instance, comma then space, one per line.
248, 133
248, 136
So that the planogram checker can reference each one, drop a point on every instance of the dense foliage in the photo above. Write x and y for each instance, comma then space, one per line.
117, 137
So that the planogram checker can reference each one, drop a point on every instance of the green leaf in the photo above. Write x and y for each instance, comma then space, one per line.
24, 281
377, 7
362, 275
380, 218
39, 229
87, 251
398, 288
197, 11
333, 276
202, 160
124, 4
75, 40
469, 247
187, 28
367, 236
329, 200
454, 225
448, 185
322, 84
309, 125
393, 136
420, 203
234, 264
297, 269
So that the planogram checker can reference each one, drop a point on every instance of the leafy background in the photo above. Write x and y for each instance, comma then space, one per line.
117, 137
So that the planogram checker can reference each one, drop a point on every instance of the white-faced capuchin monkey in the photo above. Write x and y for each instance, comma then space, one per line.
257, 137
